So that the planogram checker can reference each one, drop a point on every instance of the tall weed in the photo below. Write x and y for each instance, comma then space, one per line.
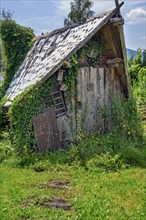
6, 148
124, 118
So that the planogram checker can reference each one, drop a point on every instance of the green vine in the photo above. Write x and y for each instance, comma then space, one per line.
16, 42
23, 108
92, 51
31, 102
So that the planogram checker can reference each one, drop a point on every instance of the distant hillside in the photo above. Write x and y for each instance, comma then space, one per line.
131, 53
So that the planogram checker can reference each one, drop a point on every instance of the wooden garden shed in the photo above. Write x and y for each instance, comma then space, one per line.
97, 48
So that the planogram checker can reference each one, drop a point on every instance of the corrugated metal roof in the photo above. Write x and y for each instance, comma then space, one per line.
49, 52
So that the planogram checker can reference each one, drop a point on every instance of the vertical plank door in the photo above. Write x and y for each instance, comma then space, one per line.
46, 131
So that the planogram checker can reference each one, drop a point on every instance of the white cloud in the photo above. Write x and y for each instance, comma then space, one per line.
64, 6
136, 16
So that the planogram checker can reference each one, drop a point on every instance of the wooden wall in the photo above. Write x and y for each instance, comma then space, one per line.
95, 87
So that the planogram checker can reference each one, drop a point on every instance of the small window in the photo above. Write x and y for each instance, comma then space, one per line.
56, 99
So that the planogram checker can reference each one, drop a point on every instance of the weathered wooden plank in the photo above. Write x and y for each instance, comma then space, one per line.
39, 124
60, 76
46, 130
53, 136
116, 20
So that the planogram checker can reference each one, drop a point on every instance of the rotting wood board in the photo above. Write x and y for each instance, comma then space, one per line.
46, 130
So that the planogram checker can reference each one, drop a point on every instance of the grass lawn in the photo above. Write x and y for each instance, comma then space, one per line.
26, 194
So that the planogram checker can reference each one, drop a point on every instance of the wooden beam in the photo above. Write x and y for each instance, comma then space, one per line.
117, 3
115, 60
117, 6
60, 77
117, 21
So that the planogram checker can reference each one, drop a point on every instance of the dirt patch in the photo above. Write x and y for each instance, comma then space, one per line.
47, 202
59, 184
55, 203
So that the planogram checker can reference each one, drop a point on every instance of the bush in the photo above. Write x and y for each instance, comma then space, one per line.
125, 120
86, 150
16, 41
106, 162
108, 152
6, 149
134, 156
40, 166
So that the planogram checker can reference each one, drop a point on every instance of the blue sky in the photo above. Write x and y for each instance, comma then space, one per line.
46, 15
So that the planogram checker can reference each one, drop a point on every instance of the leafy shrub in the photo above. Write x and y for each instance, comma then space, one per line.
139, 87
26, 159
108, 152
16, 41
106, 162
3, 115
134, 156
125, 120
6, 148
40, 166
86, 149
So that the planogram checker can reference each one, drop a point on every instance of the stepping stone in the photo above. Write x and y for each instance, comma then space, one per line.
59, 184
55, 203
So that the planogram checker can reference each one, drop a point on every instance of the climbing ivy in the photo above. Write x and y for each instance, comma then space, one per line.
31, 102
21, 112
16, 42
92, 51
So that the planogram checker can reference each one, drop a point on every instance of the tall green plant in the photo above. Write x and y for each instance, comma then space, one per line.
16, 41
21, 112
125, 120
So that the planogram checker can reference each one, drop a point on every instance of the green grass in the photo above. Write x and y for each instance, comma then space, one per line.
92, 195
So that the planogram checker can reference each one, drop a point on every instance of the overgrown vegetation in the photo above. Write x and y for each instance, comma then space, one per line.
138, 77
99, 163
21, 112
92, 194
96, 165
125, 127
16, 41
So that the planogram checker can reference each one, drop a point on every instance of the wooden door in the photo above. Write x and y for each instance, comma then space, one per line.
46, 131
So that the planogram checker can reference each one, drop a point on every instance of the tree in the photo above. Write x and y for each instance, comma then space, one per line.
80, 11
6, 15
138, 58
16, 41
144, 59
135, 65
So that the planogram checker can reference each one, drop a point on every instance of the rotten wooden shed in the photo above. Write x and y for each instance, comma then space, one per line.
101, 75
